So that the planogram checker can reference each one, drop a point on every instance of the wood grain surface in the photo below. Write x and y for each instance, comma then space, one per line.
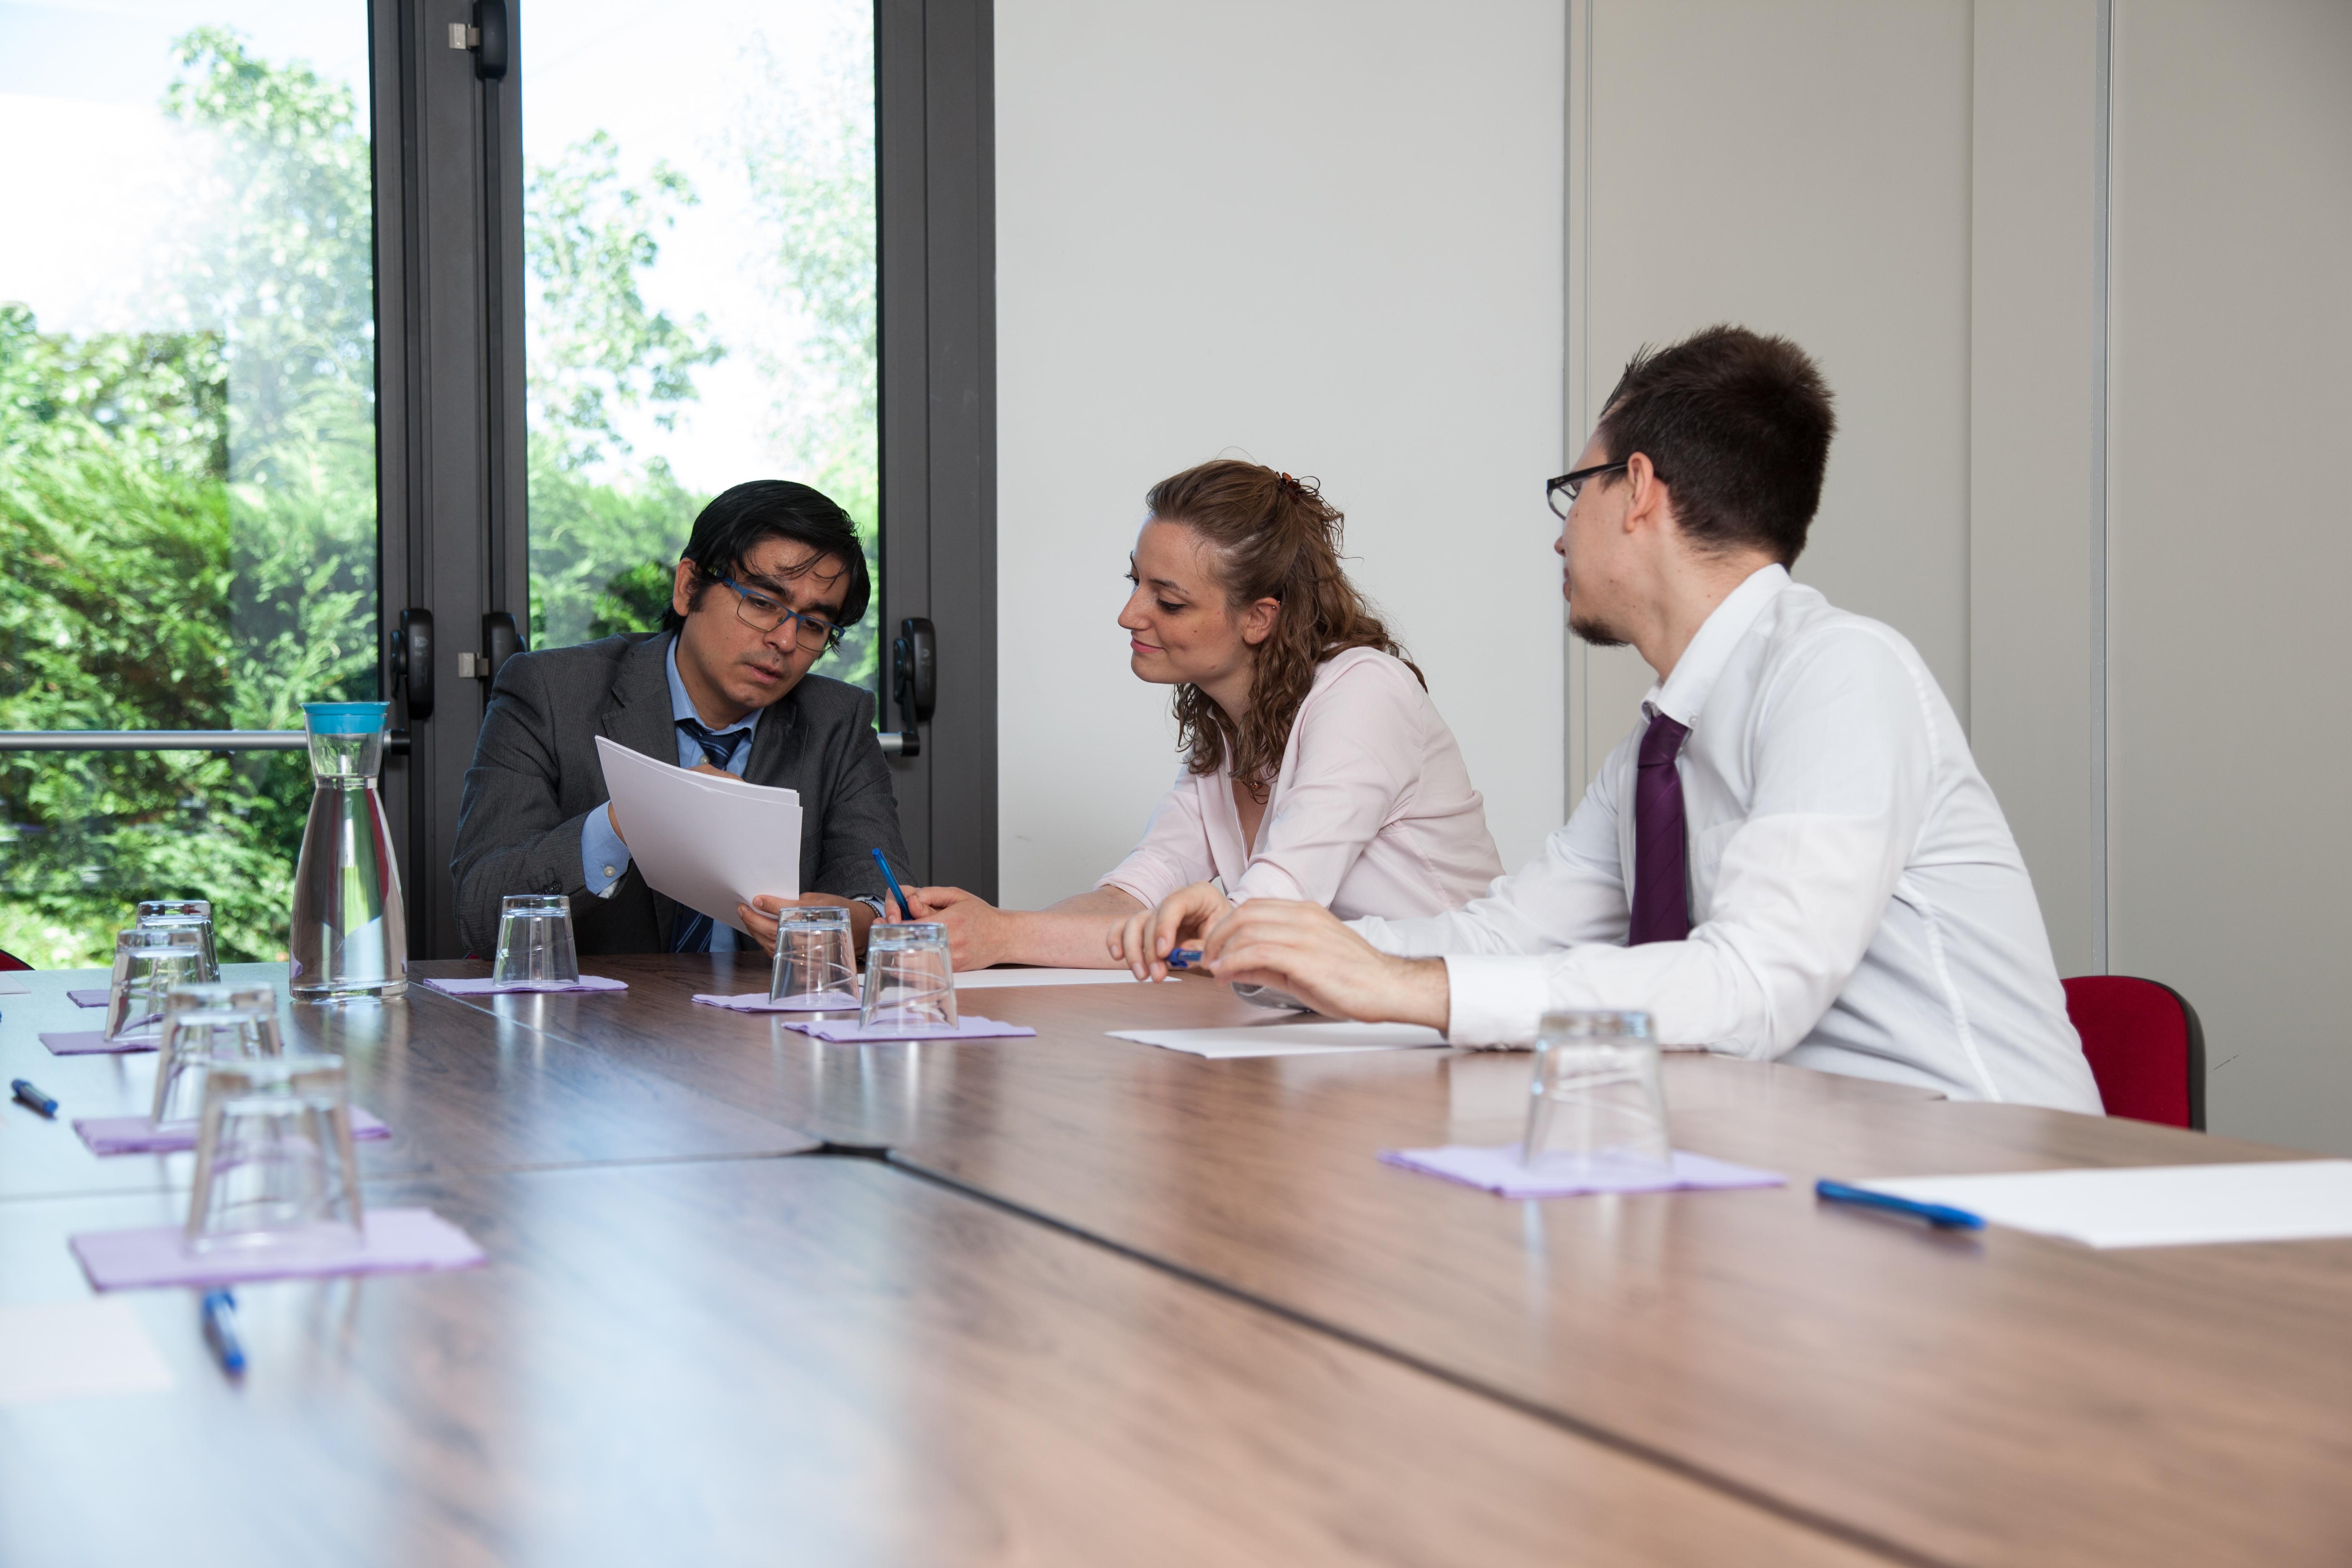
1998, 1399
459, 1088
820, 1360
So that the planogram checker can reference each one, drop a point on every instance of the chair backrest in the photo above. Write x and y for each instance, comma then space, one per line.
9, 961
2145, 1048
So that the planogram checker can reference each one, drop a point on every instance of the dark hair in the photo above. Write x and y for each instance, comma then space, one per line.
1274, 537
743, 518
1738, 425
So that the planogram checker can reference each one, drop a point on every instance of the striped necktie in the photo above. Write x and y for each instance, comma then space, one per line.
691, 932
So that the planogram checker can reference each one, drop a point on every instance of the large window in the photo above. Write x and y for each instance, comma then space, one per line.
699, 253
187, 447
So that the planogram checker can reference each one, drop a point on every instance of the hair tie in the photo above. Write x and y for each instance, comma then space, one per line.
1300, 487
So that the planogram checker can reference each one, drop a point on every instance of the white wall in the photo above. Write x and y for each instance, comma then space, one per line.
1326, 235
1801, 168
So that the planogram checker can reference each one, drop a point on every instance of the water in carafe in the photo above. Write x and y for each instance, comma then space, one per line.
349, 936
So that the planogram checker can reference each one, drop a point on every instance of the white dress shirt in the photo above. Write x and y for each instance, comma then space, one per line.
1371, 811
1857, 902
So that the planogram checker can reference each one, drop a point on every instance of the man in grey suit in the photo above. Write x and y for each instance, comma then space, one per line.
773, 574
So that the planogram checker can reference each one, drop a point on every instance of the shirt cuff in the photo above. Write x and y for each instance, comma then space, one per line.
603, 859
1495, 1001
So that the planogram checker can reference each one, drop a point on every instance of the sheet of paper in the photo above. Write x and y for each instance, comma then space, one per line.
12, 986
1287, 1040
2155, 1205
710, 844
69, 1350
990, 979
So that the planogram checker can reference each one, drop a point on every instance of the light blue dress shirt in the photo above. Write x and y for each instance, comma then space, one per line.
603, 859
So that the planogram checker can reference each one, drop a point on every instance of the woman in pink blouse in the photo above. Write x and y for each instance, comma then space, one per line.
1316, 766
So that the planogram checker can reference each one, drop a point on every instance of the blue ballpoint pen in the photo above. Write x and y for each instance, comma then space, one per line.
1941, 1216
220, 1327
34, 1098
905, 910
1183, 957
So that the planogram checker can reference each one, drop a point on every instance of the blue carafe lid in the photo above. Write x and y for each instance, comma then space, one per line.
344, 718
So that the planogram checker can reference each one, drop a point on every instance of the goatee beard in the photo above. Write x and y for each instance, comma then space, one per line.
1595, 633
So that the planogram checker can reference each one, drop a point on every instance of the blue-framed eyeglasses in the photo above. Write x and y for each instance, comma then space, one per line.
763, 614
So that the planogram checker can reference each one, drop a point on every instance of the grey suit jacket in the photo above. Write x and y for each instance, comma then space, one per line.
535, 778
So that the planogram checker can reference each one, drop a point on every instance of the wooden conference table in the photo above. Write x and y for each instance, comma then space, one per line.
1100, 1302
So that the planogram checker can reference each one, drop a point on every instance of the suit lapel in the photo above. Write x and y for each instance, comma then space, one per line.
637, 715
773, 741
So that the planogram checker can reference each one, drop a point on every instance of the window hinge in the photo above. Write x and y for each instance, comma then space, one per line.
462, 36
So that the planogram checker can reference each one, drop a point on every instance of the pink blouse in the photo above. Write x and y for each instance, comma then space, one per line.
1371, 813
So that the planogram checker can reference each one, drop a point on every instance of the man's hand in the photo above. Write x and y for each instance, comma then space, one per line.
976, 931
1303, 948
759, 916
1143, 940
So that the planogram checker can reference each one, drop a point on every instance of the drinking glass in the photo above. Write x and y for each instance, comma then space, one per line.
201, 1022
909, 979
274, 1161
535, 947
1596, 1097
814, 961
148, 961
196, 913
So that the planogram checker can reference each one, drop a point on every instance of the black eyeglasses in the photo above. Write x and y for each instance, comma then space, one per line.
763, 614
1567, 485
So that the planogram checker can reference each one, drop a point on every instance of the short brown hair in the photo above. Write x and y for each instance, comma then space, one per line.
1738, 425
1272, 537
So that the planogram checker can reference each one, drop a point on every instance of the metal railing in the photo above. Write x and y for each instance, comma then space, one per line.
167, 741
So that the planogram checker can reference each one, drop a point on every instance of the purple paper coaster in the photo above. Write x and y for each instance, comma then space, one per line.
89, 1042
971, 1027
399, 1241
87, 998
487, 987
136, 1135
1562, 1175
807, 1002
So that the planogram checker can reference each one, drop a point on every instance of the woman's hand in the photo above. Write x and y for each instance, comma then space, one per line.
977, 931
759, 916
1144, 940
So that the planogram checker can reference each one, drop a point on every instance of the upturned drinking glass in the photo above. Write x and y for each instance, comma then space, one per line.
536, 951
349, 929
910, 978
149, 960
200, 1024
1596, 1096
815, 966
194, 913
275, 1167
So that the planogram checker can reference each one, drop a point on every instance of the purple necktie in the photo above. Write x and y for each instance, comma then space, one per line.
1661, 889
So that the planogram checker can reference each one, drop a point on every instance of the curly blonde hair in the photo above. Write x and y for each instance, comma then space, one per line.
1273, 537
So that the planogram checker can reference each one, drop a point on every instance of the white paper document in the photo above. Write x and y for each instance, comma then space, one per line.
1287, 1040
69, 1350
709, 843
2155, 1205
12, 986
992, 979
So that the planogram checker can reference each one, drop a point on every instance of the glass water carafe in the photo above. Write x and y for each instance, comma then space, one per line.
350, 931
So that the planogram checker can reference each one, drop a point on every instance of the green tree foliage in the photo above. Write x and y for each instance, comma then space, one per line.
600, 531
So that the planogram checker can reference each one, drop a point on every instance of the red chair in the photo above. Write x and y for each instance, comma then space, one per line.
9, 961
2145, 1048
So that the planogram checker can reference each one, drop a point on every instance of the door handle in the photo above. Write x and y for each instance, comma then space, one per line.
503, 640
914, 675
411, 661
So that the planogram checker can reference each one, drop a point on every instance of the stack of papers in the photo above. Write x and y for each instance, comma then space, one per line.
710, 843
990, 979
1285, 1039
2154, 1206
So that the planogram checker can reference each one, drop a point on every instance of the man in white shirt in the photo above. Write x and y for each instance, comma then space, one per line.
1792, 856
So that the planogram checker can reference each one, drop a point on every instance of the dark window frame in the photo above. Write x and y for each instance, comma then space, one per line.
452, 486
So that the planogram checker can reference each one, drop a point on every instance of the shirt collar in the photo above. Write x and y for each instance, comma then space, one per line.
1682, 694
681, 706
